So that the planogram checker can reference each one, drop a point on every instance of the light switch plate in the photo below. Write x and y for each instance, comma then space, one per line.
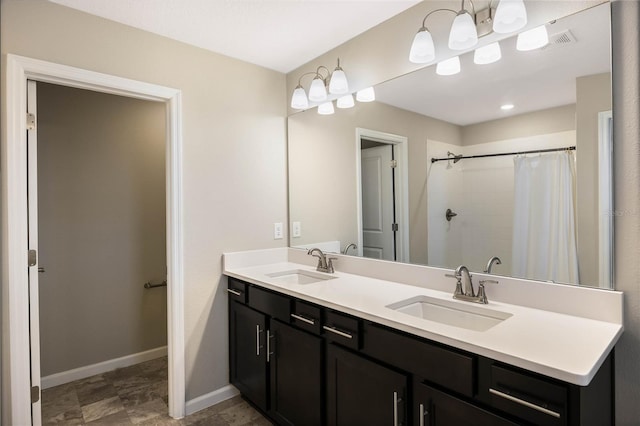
296, 230
277, 231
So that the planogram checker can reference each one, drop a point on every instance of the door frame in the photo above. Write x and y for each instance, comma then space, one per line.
401, 187
15, 276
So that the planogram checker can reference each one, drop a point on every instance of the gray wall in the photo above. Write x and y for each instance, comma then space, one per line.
626, 136
101, 223
233, 121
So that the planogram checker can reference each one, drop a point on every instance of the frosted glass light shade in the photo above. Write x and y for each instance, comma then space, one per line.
449, 66
366, 95
532, 39
511, 15
463, 34
317, 91
338, 84
299, 99
487, 54
345, 101
422, 49
326, 108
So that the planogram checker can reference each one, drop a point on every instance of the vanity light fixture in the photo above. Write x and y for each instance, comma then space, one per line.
336, 80
345, 101
467, 27
487, 54
449, 66
326, 108
532, 39
366, 95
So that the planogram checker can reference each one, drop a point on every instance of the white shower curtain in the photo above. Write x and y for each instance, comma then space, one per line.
544, 236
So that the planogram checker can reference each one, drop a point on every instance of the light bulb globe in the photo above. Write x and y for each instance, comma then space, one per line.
449, 66
345, 101
338, 84
422, 50
366, 95
463, 34
317, 91
326, 108
511, 15
487, 54
532, 39
299, 99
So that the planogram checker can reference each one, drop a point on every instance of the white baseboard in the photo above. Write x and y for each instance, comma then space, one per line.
211, 398
101, 367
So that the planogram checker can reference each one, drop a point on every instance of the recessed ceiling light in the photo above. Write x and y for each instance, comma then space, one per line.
506, 107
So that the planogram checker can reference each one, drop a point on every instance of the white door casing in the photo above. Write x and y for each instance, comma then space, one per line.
15, 226
401, 187
377, 203
32, 192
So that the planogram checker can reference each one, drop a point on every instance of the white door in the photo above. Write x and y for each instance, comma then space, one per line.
378, 203
34, 314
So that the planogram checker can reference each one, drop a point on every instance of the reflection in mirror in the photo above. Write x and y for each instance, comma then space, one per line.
545, 215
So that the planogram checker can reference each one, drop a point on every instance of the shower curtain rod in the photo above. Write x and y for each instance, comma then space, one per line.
537, 151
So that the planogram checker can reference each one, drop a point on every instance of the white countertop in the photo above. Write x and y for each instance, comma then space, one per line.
566, 347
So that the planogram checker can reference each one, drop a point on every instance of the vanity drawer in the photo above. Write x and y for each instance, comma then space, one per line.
307, 316
342, 329
273, 304
437, 364
237, 290
540, 401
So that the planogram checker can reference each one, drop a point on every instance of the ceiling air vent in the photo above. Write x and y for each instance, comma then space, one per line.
560, 39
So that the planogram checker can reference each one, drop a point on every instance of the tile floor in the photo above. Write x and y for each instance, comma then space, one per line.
135, 395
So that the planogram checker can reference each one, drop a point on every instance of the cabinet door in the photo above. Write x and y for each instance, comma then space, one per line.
247, 353
432, 407
296, 376
362, 392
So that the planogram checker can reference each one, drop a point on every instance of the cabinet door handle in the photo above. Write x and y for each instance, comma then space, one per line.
396, 400
338, 332
303, 319
525, 403
269, 353
234, 292
258, 331
423, 413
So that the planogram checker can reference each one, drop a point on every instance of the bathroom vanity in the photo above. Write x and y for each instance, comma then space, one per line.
345, 349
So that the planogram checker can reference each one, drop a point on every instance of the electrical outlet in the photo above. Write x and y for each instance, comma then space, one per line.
296, 230
277, 231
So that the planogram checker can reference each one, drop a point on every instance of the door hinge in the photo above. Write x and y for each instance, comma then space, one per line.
35, 394
33, 258
394, 227
31, 121
394, 164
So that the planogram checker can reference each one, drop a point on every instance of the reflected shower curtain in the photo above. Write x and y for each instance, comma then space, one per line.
544, 233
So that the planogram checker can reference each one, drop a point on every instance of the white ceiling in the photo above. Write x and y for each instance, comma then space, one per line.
277, 34
531, 81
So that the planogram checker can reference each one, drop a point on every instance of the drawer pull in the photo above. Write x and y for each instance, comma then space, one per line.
303, 319
234, 292
338, 332
258, 331
525, 403
395, 409
423, 413
269, 353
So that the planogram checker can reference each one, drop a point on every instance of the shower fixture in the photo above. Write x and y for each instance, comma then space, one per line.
455, 157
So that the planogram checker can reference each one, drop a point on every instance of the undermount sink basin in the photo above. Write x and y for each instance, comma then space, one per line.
299, 276
457, 314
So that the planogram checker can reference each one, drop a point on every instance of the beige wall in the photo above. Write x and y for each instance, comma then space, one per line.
322, 170
593, 95
234, 150
101, 226
543, 122
626, 135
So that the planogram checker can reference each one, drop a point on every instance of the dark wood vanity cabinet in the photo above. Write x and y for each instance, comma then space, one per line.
304, 364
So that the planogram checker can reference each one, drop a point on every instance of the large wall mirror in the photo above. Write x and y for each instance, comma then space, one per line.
441, 171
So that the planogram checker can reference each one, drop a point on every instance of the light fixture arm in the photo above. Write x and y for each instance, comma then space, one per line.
305, 74
424, 21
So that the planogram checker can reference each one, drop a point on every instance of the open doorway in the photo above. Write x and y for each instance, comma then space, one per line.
383, 206
101, 235
22, 389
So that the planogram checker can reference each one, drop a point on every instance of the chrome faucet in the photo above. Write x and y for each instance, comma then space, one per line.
495, 260
324, 264
346, 249
468, 294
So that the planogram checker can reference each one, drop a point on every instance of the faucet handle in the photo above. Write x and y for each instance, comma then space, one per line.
483, 282
450, 275
330, 264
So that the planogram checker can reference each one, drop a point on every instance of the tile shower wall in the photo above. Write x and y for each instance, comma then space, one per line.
481, 192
